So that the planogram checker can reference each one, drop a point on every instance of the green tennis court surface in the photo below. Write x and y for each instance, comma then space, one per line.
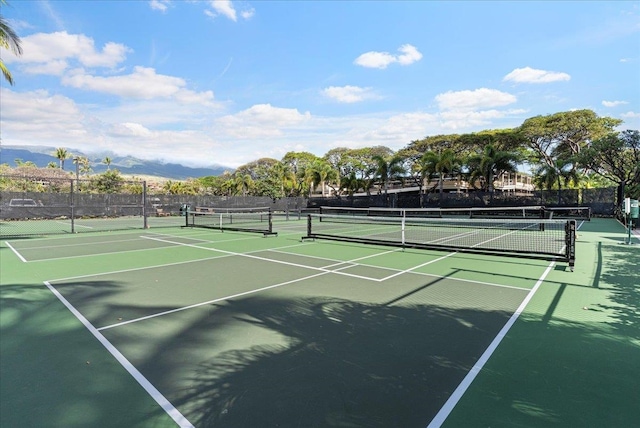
194, 327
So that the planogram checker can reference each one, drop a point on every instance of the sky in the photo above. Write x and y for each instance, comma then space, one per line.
206, 83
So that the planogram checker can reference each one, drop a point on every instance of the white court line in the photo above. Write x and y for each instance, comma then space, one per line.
324, 269
89, 275
79, 256
419, 266
103, 243
126, 364
68, 223
150, 267
348, 263
16, 252
448, 406
208, 302
80, 244
455, 397
410, 270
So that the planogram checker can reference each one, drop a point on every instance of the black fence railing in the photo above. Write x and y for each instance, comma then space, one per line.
41, 206
601, 201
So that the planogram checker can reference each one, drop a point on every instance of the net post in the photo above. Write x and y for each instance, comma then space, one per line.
271, 221
309, 225
570, 236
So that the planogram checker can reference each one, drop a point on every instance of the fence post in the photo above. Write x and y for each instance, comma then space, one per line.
144, 205
73, 203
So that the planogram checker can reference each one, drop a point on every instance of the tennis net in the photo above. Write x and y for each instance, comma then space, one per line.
578, 213
258, 220
475, 212
529, 238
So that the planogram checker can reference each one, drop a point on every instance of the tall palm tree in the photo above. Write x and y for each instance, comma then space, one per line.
319, 172
285, 177
107, 161
440, 164
389, 168
62, 154
489, 164
561, 172
351, 183
9, 40
244, 183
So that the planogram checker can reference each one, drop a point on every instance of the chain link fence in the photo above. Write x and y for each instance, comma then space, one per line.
42, 206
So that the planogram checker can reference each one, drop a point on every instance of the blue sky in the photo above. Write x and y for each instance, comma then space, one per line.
228, 82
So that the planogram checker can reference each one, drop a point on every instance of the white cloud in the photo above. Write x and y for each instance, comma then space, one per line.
261, 120
129, 129
532, 75
43, 48
348, 94
248, 13
613, 103
409, 55
630, 115
143, 83
152, 129
161, 5
473, 100
222, 7
51, 68
375, 59
40, 117
469, 120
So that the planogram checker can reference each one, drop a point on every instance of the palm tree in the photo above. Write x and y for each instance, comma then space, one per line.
8, 40
440, 164
351, 183
107, 161
389, 168
285, 177
561, 172
62, 154
319, 172
84, 165
489, 164
244, 182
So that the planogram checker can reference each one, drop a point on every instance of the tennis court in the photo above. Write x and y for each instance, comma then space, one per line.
180, 326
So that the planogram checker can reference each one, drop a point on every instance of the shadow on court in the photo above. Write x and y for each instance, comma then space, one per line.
55, 374
343, 364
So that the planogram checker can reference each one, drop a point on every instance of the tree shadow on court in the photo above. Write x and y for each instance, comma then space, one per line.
343, 363
54, 373
558, 374
569, 369
621, 275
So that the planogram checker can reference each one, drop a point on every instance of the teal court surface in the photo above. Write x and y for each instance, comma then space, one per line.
174, 326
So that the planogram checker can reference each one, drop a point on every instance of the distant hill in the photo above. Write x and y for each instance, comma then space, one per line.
42, 156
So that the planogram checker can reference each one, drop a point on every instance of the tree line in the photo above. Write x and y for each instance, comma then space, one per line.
563, 150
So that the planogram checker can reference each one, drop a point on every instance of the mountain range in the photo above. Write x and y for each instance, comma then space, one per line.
43, 156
